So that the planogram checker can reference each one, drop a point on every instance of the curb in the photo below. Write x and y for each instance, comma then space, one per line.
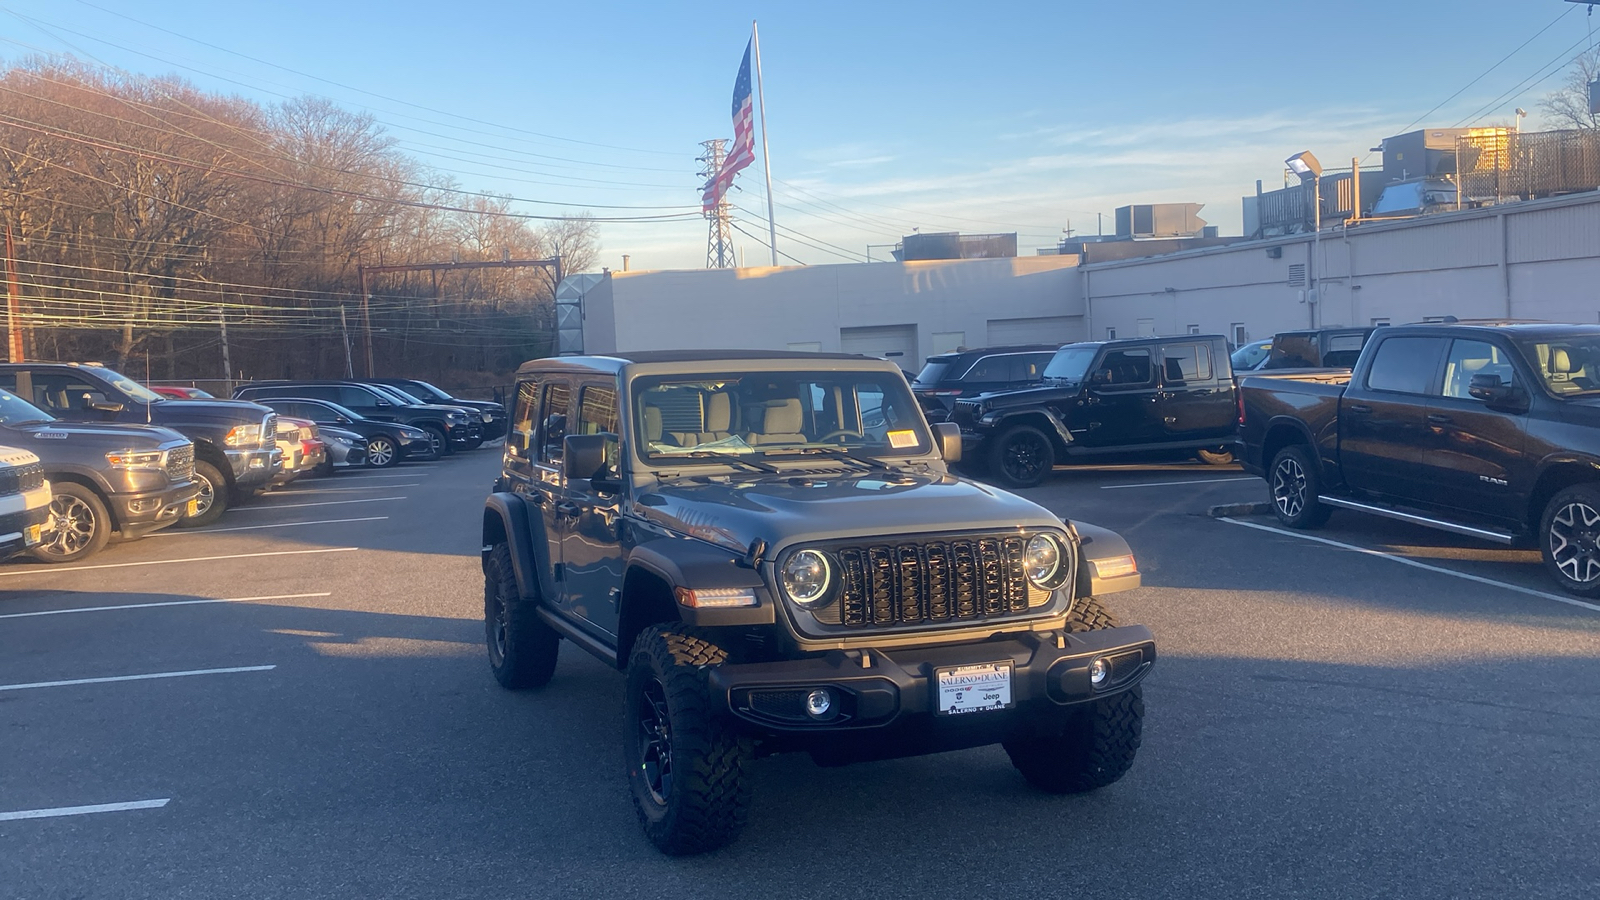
1240, 509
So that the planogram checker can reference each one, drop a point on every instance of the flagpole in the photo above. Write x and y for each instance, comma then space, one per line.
766, 160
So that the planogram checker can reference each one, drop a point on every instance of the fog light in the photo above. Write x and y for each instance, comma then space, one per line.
1098, 670
819, 703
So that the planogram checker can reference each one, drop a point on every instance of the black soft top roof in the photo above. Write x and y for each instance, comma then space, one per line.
613, 361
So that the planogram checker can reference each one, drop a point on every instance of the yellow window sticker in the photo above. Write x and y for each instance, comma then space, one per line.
899, 440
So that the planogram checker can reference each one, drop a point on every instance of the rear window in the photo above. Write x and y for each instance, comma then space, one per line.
932, 372
1405, 365
989, 370
1186, 362
1293, 351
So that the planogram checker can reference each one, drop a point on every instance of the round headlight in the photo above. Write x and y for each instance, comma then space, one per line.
807, 577
1042, 561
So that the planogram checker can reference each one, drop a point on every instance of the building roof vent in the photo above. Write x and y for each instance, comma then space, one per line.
1297, 275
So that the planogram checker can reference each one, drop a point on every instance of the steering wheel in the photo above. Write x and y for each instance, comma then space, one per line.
842, 432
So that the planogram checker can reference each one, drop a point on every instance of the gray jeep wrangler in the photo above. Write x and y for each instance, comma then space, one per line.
772, 548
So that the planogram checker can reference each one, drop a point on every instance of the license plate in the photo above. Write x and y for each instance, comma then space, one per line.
193, 509
32, 535
970, 689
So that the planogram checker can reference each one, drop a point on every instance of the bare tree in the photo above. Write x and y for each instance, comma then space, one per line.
1568, 107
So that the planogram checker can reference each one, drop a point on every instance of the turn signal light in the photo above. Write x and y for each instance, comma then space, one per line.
1114, 566
715, 598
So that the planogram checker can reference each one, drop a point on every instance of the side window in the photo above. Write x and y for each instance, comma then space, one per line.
62, 393
8, 381
1124, 369
556, 398
989, 370
355, 397
1343, 351
597, 410
1405, 365
1032, 365
1469, 358
524, 408
1184, 363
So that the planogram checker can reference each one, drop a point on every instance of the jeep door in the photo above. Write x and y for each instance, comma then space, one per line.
536, 475
591, 553
1196, 398
1474, 453
1119, 405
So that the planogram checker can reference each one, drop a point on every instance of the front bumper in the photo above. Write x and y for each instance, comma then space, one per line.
886, 701
21, 530
466, 434
142, 513
254, 468
415, 446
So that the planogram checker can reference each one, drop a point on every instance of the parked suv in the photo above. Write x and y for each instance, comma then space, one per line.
24, 501
771, 547
493, 414
1107, 399
950, 376
448, 425
104, 477
387, 442
235, 453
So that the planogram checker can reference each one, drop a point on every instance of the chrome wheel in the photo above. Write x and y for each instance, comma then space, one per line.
655, 741
380, 453
207, 495
1574, 532
70, 528
1289, 487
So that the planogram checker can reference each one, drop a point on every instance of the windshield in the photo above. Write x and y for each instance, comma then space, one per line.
1568, 366
16, 411
424, 389
932, 372
1250, 355
774, 414
1071, 363
395, 395
130, 387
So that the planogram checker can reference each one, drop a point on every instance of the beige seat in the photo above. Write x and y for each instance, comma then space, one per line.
718, 417
781, 422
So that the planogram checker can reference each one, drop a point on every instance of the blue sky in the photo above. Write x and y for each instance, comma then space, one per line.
884, 117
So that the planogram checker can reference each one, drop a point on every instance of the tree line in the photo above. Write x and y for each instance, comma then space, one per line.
146, 215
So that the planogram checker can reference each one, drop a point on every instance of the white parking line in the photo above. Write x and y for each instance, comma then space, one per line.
356, 475
1395, 557
180, 532
85, 609
343, 490
115, 678
82, 810
1113, 487
48, 570
277, 506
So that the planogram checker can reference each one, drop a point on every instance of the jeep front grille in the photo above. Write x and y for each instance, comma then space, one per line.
912, 581
21, 479
180, 463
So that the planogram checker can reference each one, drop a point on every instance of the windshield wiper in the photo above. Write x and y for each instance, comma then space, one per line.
868, 463
729, 458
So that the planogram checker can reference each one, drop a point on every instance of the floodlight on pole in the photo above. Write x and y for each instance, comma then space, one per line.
1304, 164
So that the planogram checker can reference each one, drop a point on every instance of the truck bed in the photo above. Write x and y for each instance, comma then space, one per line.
1305, 400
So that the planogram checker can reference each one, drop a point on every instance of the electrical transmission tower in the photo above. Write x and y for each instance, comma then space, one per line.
719, 241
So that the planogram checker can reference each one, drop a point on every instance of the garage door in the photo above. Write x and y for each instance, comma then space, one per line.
1040, 330
896, 343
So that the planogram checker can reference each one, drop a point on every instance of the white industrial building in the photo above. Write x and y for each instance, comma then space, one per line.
1529, 260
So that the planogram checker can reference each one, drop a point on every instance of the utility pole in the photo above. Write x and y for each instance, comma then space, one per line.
227, 362
366, 318
344, 329
13, 304
719, 238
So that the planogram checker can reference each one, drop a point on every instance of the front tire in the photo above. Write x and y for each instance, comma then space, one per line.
1021, 456
1092, 746
382, 452
686, 766
78, 526
522, 649
1294, 483
438, 442
213, 496
1568, 532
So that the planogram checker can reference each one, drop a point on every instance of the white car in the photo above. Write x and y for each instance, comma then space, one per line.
24, 500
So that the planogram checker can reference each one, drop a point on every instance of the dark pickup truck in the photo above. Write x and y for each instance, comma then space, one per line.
1491, 431
1106, 399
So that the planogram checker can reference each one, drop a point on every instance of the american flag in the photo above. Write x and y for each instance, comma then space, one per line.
743, 151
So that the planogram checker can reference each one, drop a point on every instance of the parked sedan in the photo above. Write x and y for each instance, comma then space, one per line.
346, 449
387, 442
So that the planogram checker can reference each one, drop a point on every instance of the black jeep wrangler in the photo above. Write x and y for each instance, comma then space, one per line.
773, 549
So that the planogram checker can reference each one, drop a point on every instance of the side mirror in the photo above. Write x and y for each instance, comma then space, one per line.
382, 403
341, 420
948, 436
591, 457
1497, 395
104, 406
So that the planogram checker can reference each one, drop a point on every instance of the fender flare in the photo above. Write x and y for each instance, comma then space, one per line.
1095, 542
698, 565
1061, 433
505, 517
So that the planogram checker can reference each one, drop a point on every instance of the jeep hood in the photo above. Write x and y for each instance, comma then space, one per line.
732, 511
1029, 396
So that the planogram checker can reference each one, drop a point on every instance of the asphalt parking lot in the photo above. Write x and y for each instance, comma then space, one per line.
295, 703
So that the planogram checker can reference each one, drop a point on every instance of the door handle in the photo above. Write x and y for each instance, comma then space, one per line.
1361, 408
536, 498
569, 509
1440, 419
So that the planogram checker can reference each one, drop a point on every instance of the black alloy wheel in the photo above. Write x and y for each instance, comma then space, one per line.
1295, 485
382, 452
1570, 540
655, 741
1022, 457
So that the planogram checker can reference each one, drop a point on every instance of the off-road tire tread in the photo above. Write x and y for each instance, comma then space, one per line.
534, 647
1095, 749
709, 758
1089, 614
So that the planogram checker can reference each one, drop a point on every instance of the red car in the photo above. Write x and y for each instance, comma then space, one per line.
177, 392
